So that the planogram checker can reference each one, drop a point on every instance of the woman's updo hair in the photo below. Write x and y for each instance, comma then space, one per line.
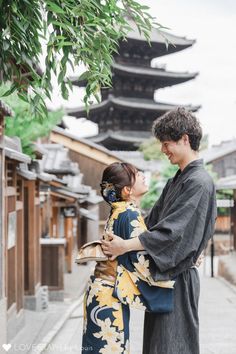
115, 177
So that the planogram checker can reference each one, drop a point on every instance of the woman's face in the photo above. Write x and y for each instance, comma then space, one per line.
140, 187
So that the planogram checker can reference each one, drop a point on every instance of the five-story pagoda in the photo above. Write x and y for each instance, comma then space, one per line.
128, 109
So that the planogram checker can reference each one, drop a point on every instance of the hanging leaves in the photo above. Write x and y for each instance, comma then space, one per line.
85, 31
24, 125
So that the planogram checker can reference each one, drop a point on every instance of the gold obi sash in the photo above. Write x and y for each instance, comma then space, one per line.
106, 270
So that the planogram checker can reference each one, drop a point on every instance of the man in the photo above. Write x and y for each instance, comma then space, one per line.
179, 227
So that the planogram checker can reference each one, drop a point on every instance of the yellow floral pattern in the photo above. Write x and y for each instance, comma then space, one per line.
108, 332
104, 297
117, 208
128, 281
118, 319
106, 317
127, 290
112, 348
138, 227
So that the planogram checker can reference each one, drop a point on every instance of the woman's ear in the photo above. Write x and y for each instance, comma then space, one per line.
126, 191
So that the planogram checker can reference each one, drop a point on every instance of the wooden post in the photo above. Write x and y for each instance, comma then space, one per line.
38, 232
233, 220
11, 254
2, 208
20, 245
30, 238
54, 220
69, 242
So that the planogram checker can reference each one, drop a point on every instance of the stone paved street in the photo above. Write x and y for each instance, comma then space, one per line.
217, 317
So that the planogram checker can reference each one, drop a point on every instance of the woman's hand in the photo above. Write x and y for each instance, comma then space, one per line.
200, 260
114, 247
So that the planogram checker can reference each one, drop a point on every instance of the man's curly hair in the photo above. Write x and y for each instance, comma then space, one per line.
174, 124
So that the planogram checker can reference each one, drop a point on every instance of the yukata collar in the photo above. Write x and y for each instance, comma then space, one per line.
194, 163
121, 204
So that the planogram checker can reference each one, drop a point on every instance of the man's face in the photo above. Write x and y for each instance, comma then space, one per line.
176, 151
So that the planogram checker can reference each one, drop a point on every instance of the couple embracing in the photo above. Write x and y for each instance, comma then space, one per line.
152, 263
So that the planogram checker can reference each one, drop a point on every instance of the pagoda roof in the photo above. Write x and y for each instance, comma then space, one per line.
129, 103
135, 47
162, 76
159, 36
151, 72
121, 140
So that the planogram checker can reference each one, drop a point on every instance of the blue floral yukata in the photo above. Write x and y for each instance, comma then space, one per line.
127, 282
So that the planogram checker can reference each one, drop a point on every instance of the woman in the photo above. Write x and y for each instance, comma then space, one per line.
126, 281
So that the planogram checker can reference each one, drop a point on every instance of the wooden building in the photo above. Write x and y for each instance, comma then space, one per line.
128, 109
62, 196
58, 209
41, 228
224, 185
92, 159
22, 235
4, 112
222, 158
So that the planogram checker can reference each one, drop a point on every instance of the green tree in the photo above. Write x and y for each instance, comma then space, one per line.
157, 184
204, 142
151, 149
23, 125
74, 32
149, 199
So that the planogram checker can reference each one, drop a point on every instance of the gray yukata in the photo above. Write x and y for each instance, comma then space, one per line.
179, 226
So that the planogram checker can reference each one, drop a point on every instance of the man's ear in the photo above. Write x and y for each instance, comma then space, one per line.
185, 138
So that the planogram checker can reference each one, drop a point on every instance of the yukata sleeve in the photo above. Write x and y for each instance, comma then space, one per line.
167, 241
138, 263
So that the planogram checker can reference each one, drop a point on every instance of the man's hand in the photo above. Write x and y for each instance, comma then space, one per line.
114, 247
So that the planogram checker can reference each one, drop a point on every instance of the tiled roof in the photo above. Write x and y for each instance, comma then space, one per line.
56, 160
157, 36
218, 151
127, 102
158, 74
226, 183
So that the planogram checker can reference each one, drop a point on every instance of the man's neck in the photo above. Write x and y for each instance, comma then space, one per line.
190, 158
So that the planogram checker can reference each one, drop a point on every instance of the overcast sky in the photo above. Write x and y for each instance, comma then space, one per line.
213, 24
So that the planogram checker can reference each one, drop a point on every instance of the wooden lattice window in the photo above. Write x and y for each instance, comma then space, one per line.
19, 195
10, 174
